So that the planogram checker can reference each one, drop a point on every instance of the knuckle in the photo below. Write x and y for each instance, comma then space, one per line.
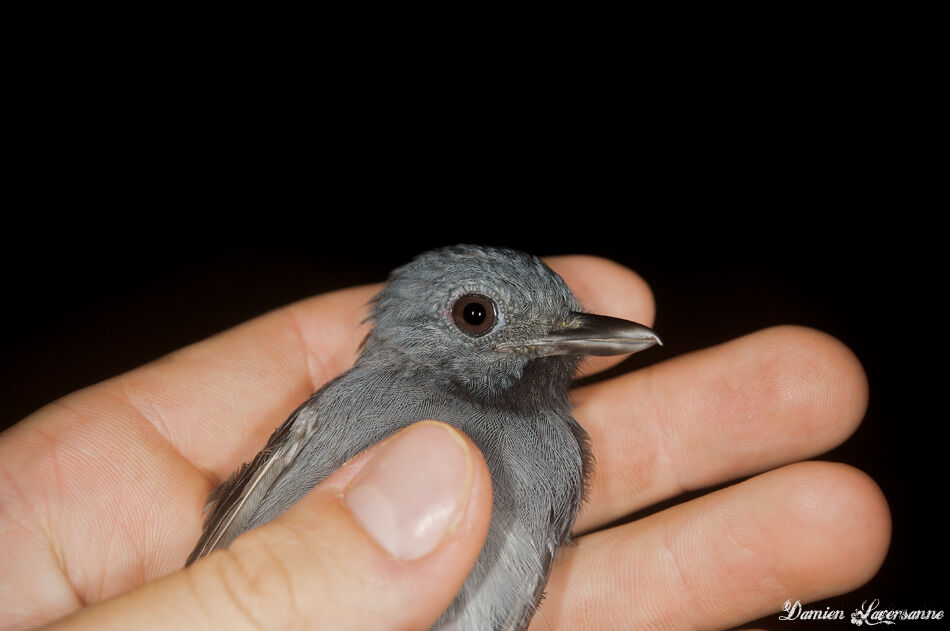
259, 584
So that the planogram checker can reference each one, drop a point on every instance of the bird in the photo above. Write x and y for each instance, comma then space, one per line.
488, 340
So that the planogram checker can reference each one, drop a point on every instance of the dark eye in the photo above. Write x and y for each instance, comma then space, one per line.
474, 314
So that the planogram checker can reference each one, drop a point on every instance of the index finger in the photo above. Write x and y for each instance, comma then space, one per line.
216, 401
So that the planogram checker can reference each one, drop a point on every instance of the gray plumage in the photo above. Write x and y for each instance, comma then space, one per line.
506, 387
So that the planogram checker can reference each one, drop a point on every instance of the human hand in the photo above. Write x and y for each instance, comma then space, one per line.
104, 488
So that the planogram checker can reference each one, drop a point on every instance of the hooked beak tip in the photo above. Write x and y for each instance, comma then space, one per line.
590, 334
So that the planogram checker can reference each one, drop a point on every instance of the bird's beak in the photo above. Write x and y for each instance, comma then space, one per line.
589, 334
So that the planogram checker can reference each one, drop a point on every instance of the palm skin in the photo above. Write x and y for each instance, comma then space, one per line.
103, 489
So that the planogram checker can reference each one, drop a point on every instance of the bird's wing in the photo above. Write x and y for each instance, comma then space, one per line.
531, 593
556, 534
231, 505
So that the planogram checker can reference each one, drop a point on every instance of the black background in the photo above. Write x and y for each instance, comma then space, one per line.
786, 192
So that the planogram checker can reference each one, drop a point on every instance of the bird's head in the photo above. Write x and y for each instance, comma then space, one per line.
483, 318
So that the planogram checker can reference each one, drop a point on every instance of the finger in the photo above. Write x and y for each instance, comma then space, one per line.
217, 401
385, 542
807, 531
757, 402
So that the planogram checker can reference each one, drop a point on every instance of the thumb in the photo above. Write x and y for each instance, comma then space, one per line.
384, 542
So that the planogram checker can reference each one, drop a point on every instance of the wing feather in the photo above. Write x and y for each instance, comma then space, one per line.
232, 504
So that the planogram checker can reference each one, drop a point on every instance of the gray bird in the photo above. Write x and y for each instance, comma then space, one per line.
484, 339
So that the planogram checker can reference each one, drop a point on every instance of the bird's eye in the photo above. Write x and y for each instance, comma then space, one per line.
474, 314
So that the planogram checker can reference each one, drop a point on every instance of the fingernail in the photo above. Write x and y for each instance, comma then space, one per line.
413, 490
